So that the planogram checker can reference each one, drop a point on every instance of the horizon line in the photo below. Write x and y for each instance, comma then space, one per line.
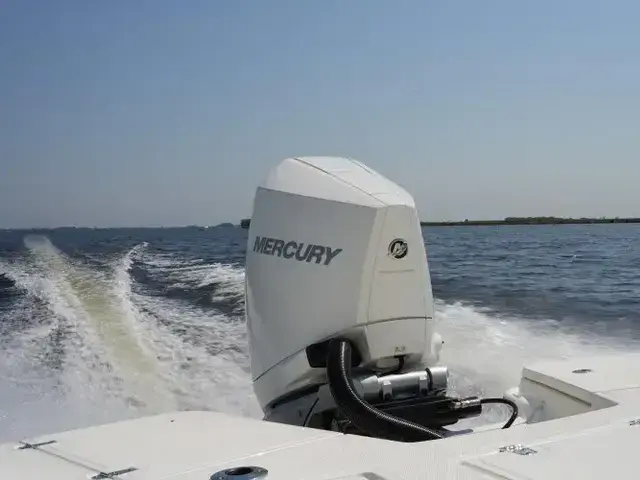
505, 220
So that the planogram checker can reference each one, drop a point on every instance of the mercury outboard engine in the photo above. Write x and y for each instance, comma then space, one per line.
339, 306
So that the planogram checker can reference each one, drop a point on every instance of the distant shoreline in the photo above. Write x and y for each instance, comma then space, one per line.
533, 221
245, 223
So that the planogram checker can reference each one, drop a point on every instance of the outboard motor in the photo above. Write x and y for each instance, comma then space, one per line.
339, 306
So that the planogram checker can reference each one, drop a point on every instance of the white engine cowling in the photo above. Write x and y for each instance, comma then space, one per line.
334, 248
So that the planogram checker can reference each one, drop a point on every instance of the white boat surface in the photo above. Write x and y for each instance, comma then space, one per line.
577, 418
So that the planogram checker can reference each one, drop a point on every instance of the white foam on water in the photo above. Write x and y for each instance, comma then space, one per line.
203, 355
44, 395
121, 360
486, 352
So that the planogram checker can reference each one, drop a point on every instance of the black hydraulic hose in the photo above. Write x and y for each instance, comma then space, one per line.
504, 401
361, 414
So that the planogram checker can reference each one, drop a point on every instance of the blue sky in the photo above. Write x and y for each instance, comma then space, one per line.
158, 112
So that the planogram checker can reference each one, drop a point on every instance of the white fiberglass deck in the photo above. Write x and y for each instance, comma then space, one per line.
601, 443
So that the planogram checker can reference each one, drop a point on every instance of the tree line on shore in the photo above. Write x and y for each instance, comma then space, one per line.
246, 222
536, 221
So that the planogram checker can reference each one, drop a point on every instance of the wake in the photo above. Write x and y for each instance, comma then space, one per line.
93, 346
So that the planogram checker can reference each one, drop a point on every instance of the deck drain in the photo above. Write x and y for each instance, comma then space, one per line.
240, 473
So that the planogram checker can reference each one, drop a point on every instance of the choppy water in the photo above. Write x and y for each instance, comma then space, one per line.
100, 325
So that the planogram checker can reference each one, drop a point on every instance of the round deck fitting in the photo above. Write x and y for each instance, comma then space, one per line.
240, 473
